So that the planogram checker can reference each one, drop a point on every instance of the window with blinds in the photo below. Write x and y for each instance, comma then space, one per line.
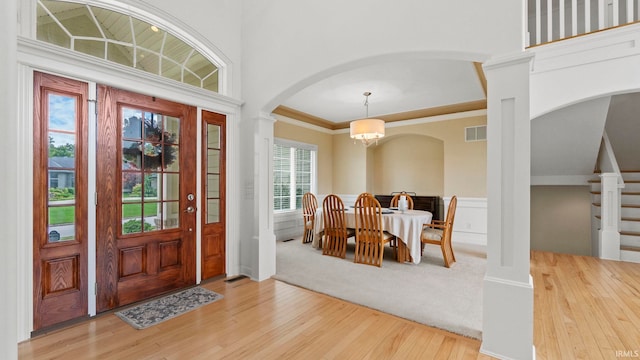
294, 173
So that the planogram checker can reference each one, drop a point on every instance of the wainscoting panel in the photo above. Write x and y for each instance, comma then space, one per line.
470, 223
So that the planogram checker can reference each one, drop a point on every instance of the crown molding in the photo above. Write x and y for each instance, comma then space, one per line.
403, 116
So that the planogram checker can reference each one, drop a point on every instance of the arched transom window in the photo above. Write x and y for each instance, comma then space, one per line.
125, 40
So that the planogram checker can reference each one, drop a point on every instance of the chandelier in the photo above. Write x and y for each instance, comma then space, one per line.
367, 130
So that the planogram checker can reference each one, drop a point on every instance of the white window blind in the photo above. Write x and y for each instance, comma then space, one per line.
294, 173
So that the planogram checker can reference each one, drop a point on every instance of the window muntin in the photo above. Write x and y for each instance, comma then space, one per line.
212, 185
294, 173
125, 40
150, 171
61, 125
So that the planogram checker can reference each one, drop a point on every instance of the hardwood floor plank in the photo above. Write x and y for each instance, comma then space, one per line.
584, 308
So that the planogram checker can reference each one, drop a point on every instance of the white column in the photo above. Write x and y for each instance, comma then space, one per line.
507, 331
9, 127
264, 259
609, 235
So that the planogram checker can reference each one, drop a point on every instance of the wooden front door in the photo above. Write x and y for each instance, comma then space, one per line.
213, 190
146, 181
59, 200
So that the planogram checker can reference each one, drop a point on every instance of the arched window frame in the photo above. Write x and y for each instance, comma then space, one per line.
151, 15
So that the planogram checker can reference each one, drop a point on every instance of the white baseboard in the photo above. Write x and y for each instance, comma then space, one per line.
460, 237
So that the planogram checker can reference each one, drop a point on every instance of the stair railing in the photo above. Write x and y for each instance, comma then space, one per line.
551, 20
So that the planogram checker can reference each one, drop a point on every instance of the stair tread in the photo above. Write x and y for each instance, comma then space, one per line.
623, 218
623, 205
630, 233
630, 248
597, 181
623, 193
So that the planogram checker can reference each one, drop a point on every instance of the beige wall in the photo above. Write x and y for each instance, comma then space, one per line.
465, 163
324, 142
412, 163
348, 168
560, 219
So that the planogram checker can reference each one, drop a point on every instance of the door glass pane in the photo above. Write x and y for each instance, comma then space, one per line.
150, 165
170, 215
61, 169
213, 161
171, 187
213, 174
213, 186
213, 210
61, 223
132, 218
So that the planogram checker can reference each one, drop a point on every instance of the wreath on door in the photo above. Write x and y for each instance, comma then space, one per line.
158, 148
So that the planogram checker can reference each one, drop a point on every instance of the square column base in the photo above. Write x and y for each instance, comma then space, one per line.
508, 319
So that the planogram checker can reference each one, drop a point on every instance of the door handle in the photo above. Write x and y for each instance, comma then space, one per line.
190, 209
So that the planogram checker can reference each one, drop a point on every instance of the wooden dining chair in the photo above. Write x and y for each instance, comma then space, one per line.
309, 207
335, 227
396, 197
439, 233
370, 237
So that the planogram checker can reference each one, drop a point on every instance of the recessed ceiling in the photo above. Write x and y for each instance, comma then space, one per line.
396, 87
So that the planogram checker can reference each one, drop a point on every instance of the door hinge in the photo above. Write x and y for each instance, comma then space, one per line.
95, 198
95, 289
95, 103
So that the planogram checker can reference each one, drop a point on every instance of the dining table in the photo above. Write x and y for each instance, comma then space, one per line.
405, 225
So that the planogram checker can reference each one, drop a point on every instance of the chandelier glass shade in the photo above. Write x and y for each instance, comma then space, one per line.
367, 130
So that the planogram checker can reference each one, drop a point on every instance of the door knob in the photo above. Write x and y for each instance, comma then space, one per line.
189, 209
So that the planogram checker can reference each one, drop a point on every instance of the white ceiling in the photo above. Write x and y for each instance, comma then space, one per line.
564, 143
395, 86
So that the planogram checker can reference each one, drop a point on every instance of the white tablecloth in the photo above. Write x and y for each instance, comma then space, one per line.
406, 226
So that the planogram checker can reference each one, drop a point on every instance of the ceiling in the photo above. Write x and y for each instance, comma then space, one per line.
400, 90
564, 143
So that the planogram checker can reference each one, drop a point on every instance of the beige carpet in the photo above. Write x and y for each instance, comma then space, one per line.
428, 293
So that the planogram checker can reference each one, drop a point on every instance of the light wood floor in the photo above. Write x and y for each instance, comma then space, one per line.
585, 308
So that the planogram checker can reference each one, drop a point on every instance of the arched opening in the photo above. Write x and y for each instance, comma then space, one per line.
412, 157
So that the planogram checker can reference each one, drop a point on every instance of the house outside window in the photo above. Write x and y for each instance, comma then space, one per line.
294, 173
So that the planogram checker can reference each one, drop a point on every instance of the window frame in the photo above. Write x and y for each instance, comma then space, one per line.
314, 171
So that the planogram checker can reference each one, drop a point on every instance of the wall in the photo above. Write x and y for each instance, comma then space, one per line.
423, 153
465, 163
216, 21
560, 219
288, 44
323, 139
289, 225
412, 163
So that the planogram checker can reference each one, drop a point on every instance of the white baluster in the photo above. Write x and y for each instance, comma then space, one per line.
574, 17
538, 38
549, 20
561, 19
616, 13
601, 14
629, 11
587, 17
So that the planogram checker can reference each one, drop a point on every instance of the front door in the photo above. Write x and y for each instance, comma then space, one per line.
146, 181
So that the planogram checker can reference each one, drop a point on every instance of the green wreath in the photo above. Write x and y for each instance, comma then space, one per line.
158, 146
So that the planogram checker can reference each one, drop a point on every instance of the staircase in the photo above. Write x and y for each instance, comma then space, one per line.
629, 211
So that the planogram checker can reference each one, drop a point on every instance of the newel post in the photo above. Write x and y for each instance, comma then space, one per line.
609, 235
